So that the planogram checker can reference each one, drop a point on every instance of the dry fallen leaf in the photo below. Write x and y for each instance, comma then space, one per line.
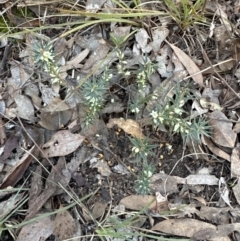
96, 58
11, 203
222, 132
74, 63
137, 202
24, 108
235, 161
185, 227
62, 143
236, 191
189, 65
56, 120
55, 105
2, 130
224, 191
36, 185
214, 149
129, 126
142, 40
64, 225
210, 105
102, 167
98, 210
9, 146
50, 188
40, 229
18, 170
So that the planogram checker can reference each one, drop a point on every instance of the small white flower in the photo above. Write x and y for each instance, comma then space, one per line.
127, 73
176, 127
154, 114
178, 111
148, 173
181, 103
47, 56
135, 149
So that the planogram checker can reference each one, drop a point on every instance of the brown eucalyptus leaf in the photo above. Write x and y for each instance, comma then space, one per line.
189, 64
185, 227
62, 143
138, 202
129, 126
64, 225
222, 130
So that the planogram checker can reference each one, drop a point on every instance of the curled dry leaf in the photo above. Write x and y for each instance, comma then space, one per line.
62, 143
224, 191
64, 225
129, 126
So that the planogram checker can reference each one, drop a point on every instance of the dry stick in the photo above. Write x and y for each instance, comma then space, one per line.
3, 65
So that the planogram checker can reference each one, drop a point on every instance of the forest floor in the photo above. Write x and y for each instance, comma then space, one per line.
119, 120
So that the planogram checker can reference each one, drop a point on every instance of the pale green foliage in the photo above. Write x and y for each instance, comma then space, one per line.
171, 115
94, 92
43, 56
142, 185
146, 70
141, 148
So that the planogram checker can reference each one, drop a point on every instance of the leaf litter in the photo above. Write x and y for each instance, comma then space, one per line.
49, 155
